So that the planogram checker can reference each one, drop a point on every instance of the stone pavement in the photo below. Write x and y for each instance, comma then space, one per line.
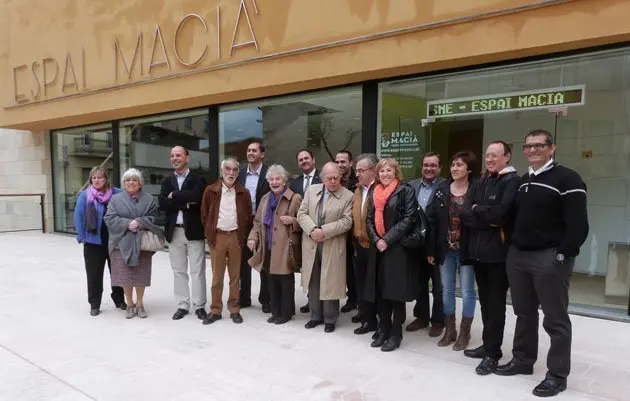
52, 349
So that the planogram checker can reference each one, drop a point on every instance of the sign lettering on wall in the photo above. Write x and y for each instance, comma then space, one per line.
67, 74
504, 102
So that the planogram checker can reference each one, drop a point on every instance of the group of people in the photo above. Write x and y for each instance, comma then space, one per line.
356, 229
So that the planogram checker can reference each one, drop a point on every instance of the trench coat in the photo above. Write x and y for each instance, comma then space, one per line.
337, 222
394, 274
279, 253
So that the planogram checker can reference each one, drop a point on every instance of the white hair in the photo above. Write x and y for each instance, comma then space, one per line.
133, 173
276, 169
229, 159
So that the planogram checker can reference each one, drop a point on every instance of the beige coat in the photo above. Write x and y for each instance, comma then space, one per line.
288, 206
338, 221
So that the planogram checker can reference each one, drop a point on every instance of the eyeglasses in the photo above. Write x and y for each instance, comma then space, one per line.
430, 165
361, 171
537, 146
230, 170
493, 155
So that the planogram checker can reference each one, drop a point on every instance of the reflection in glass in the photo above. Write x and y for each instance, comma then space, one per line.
593, 139
75, 152
146, 143
324, 122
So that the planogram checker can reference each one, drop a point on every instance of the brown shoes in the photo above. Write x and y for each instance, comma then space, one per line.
417, 324
436, 330
464, 334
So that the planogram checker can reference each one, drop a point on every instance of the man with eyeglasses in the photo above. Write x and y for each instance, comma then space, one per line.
551, 225
425, 189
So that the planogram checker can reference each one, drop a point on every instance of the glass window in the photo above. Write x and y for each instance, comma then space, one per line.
449, 113
146, 143
75, 152
324, 122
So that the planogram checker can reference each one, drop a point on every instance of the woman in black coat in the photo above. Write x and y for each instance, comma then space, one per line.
392, 275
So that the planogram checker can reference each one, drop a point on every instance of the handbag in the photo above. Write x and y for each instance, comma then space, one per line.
294, 255
150, 241
417, 238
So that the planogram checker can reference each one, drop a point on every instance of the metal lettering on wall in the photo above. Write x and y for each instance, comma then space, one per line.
504, 102
45, 73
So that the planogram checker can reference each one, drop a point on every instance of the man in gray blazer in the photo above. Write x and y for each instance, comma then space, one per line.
425, 191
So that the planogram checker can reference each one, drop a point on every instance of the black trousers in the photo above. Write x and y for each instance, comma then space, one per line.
282, 295
351, 283
422, 310
391, 316
367, 309
245, 297
537, 279
95, 257
492, 285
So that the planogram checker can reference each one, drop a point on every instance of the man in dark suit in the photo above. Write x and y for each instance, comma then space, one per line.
309, 176
425, 191
349, 181
253, 177
180, 197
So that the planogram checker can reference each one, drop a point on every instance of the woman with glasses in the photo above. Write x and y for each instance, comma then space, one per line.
488, 215
446, 248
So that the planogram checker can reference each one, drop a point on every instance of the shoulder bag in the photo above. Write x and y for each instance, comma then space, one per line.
150, 241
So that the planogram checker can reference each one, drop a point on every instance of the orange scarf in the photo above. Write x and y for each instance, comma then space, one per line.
381, 195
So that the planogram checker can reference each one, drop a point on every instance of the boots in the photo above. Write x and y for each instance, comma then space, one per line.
450, 335
464, 334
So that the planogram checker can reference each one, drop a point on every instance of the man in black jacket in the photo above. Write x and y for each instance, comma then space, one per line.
551, 224
488, 214
253, 177
180, 197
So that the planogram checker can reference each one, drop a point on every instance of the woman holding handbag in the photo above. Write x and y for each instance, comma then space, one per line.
275, 243
134, 238
395, 228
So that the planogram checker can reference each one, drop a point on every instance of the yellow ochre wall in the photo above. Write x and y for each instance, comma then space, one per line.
302, 45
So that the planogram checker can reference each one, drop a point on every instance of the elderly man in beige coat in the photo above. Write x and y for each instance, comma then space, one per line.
325, 216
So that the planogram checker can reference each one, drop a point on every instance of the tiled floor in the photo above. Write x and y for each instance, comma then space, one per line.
51, 349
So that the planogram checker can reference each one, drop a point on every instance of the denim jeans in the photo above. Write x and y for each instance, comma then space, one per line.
448, 272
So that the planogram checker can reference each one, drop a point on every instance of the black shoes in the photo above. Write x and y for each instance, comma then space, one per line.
379, 341
311, 324
244, 304
514, 368
179, 314
357, 318
282, 320
271, 319
121, 306
348, 307
487, 366
266, 308
550, 387
201, 313
94, 312
211, 318
365, 328
477, 353
305, 309
236, 318
417, 324
391, 344
329, 327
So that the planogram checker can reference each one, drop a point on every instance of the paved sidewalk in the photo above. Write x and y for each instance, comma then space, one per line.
52, 349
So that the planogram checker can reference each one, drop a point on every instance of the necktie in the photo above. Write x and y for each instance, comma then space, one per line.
308, 182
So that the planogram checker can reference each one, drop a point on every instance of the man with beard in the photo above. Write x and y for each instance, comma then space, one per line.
252, 177
180, 197
309, 176
348, 180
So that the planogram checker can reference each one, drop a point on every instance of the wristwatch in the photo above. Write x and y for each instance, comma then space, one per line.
560, 258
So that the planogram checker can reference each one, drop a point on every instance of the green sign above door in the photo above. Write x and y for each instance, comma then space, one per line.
504, 102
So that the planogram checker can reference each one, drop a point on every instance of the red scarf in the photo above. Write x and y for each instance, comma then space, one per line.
381, 196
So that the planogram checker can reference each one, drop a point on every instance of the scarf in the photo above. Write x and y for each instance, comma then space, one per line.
270, 213
381, 195
91, 213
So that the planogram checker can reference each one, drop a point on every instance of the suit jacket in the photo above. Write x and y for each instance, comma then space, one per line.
297, 184
188, 200
415, 184
263, 185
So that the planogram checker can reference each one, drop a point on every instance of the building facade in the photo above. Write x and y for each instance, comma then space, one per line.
118, 83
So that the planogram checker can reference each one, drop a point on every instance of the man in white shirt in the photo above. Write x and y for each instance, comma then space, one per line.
253, 178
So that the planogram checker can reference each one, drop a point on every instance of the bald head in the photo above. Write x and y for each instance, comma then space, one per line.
179, 159
331, 175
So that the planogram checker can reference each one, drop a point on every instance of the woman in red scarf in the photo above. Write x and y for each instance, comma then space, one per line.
393, 271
